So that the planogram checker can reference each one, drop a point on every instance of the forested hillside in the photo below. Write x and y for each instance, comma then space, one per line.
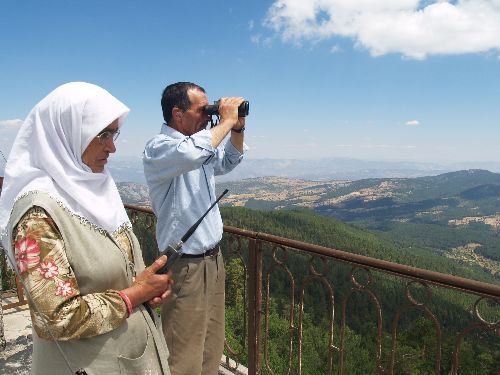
450, 308
455, 214
308, 226
480, 353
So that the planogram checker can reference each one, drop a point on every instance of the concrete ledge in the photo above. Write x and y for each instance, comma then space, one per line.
15, 359
233, 368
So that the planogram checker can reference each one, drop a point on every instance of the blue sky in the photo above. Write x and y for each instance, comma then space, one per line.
368, 79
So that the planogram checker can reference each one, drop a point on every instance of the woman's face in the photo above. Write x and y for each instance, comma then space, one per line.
97, 152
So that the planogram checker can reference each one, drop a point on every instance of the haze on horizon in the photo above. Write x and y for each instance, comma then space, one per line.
403, 80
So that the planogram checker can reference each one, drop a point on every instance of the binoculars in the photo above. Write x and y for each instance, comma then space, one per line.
213, 109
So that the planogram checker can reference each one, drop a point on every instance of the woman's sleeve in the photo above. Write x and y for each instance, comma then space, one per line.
44, 268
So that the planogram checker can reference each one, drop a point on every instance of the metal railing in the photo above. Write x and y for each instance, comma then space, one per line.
261, 257
10, 284
262, 261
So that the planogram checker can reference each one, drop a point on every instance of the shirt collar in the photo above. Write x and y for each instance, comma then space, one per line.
171, 132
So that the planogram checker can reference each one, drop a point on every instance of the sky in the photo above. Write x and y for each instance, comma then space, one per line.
395, 80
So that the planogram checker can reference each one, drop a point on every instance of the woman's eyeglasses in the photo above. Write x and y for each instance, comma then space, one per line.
106, 135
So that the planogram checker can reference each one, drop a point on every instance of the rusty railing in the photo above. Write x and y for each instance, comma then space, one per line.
256, 262
345, 278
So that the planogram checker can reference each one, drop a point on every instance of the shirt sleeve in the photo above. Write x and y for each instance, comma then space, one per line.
227, 157
167, 157
44, 268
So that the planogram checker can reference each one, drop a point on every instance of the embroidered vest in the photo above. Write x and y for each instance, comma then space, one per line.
137, 346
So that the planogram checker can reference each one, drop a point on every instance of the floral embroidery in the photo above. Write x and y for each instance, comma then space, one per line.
27, 254
64, 289
41, 248
48, 269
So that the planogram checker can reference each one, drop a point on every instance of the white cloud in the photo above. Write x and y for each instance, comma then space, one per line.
16, 123
413, 28
386, 146
413, 123
255, 39
335, 49
251, 25
258, 39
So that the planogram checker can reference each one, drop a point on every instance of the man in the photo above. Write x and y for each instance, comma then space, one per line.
180, 164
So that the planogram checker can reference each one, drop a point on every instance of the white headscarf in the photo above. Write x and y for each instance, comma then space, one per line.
47, 156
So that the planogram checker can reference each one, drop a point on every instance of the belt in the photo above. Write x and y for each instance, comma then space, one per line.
211, 253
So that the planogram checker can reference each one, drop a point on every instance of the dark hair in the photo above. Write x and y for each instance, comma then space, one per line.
176, 95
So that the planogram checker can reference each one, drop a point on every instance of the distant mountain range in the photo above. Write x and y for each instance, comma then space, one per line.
134, 193
272, 192
129, 169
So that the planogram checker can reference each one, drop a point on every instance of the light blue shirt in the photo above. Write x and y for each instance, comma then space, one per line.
180, 171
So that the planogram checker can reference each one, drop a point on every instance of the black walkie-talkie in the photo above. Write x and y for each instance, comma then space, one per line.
174, 252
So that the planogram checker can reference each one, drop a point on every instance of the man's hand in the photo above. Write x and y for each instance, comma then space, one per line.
228, 111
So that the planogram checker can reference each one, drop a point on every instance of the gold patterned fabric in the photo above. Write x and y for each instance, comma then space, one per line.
97, 264
41, 258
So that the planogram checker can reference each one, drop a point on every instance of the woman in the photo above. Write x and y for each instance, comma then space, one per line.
63, 221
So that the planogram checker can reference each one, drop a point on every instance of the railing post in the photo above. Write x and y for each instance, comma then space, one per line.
254, 304
20, 297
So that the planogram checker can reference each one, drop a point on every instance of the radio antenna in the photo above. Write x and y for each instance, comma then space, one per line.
174, 252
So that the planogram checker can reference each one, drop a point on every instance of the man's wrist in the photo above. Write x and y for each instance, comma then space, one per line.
240, 130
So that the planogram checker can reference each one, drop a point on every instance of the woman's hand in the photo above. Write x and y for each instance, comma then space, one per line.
149, 286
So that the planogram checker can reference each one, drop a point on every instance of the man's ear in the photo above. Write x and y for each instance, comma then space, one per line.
176, 113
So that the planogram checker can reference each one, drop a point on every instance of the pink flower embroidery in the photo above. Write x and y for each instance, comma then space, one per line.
48, 269
27, 254
64, 289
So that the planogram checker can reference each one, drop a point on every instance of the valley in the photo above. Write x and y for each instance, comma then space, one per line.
455, 214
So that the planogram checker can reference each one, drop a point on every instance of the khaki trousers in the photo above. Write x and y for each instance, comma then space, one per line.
193, 317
